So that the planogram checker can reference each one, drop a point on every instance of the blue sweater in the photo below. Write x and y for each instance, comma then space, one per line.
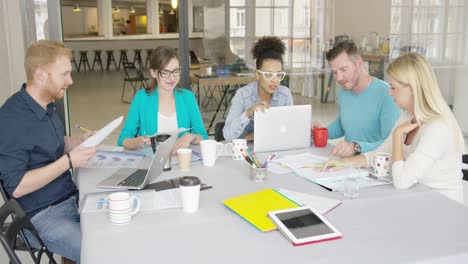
366, 118
142, 116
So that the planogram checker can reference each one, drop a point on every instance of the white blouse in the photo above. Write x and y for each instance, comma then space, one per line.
431, 159
167, 123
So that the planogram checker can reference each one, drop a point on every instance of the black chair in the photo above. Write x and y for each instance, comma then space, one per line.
219, 131
465, 171
84, 60
97, 59
74, 61
137, 60
148, 57
123, 58
110, 59
134, 76
9, 233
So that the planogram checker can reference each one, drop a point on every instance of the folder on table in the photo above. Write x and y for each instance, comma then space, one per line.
254, 207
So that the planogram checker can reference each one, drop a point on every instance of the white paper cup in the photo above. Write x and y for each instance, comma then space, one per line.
185, 159
190, 193
208, 70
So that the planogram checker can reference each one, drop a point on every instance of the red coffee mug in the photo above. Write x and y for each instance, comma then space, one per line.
320, 137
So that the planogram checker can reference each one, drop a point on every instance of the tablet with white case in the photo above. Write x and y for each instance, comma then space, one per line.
304, 225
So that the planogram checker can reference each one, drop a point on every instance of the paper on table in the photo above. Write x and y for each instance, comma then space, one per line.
315, 175
97, 138
114, 159
300, 160
149, 200
364, 182
321, 204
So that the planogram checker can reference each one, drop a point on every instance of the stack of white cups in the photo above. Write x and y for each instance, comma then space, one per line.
121, 207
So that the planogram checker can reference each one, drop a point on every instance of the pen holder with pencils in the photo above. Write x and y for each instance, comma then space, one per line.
258, 174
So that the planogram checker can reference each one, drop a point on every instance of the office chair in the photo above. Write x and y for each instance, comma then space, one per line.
134, 76
10, 233
219, 131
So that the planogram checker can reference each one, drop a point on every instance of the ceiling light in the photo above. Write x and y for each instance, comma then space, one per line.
174, 4
76, 8
132, 10
117, 10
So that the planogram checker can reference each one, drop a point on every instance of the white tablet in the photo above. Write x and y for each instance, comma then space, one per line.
303, 225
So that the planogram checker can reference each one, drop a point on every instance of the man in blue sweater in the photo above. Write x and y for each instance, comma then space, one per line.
367, 113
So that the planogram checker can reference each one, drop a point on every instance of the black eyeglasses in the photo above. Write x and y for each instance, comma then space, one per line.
167, 74
269, 75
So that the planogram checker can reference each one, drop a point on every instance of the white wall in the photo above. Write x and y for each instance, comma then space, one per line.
77, 23
359, 17
11, 49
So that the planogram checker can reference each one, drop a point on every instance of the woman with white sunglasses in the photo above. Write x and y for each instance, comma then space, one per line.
264, 93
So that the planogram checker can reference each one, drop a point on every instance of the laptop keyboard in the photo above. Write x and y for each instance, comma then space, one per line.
135, 179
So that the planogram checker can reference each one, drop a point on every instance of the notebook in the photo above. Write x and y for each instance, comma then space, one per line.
254, 207
282, 128
136, 179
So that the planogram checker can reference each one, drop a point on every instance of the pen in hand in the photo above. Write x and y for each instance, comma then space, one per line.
82, 128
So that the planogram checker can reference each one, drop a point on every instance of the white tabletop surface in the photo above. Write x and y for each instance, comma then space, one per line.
383, 225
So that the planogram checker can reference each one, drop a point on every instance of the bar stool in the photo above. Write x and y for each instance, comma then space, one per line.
84, 60
148, 57
137, 58
123, 58
97, 59
74, 61
110, 59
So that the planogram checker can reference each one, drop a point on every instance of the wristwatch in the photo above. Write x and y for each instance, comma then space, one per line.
357, 148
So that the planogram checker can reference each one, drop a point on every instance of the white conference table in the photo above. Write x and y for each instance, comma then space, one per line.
383, 225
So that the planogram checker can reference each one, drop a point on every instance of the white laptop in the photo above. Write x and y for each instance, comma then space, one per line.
137, 179
282, 128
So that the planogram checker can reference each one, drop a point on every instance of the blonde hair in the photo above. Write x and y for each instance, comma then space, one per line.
43, 53
415, 71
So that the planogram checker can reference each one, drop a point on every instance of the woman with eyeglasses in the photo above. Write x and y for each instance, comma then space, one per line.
264, 93
162, 106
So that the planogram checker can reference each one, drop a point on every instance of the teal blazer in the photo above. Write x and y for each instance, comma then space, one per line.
142, 118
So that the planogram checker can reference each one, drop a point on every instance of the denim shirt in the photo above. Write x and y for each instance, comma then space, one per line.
32, 137
238, 125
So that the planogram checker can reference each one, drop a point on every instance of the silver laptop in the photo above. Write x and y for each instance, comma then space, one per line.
282, 128
136, 179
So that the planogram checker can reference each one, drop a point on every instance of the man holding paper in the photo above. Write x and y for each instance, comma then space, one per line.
36, 157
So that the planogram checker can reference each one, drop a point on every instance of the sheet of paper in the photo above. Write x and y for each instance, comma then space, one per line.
97, 138
300, 160
110, 148
115, 159
322, 204
277, 168
150, 200
314, 174
364, 182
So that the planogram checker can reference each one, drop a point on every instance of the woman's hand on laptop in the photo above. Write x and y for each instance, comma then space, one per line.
256, 107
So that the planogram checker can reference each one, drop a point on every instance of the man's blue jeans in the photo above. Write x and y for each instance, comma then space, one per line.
59, 228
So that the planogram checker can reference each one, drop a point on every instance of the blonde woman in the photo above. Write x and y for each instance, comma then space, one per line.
426, 142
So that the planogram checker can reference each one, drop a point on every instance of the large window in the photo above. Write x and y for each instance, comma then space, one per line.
434, 28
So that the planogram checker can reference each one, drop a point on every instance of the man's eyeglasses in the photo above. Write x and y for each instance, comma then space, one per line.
269, 75
167, 74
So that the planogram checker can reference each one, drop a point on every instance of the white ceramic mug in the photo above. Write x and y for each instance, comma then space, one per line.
235, 148
381, 163
121, 207
210, 150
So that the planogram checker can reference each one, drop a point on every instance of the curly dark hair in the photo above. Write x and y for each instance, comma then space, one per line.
347, 46
268, 48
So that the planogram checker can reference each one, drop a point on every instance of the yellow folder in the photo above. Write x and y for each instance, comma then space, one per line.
254, 207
